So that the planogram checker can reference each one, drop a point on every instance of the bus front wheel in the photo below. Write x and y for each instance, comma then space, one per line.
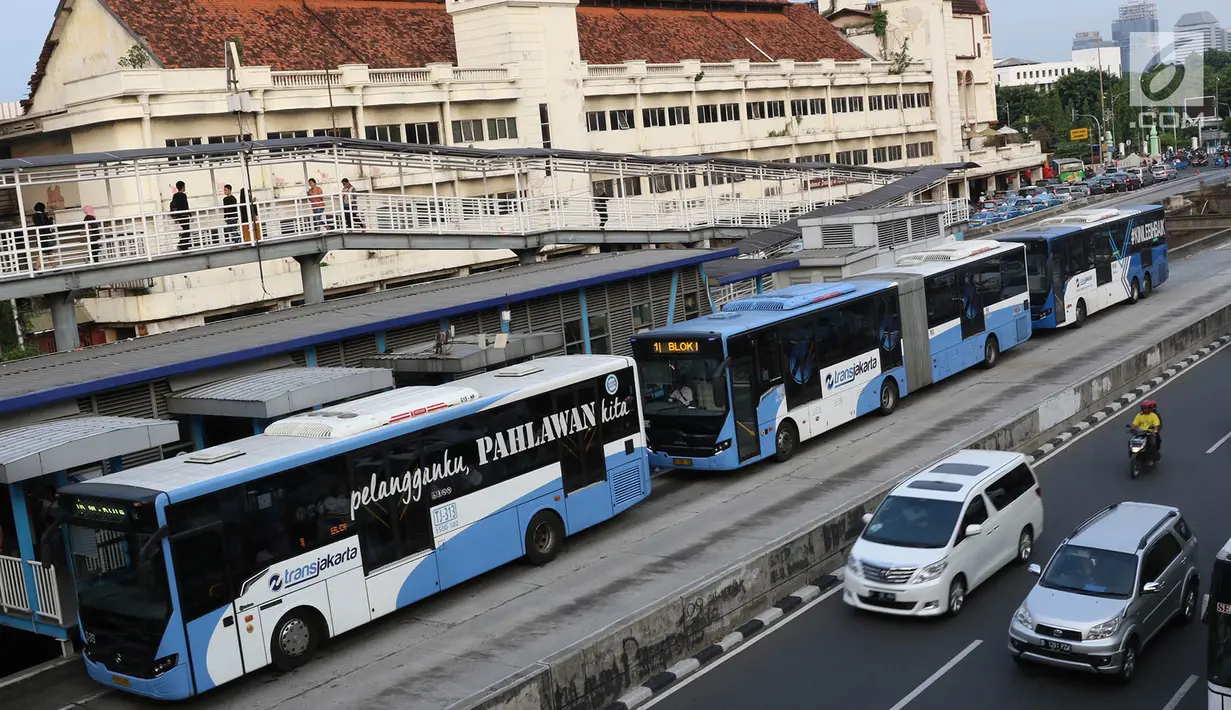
544, 537
889, 397
1147, 287
1134, 292
787, 441
295, 639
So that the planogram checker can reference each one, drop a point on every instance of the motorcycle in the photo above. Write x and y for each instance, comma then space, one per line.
1138, 454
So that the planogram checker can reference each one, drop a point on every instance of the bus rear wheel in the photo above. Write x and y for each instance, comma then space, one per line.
294, 641
889, 397
1147, 287
991, 352
544, 537
1134, 292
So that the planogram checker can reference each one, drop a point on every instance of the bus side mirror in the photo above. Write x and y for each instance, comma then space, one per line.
152, 545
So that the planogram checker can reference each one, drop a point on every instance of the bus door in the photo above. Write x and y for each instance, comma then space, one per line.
1057, 265
203, 575
971, 302
1102, 253
741, 371
583, 463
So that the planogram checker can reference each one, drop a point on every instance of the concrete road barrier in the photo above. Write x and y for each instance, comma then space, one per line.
595, 671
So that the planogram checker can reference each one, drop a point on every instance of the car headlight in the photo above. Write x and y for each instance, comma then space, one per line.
1023, 617
930, 572
1103, 630
852, 566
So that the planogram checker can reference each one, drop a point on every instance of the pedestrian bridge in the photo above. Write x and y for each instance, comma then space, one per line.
406, 197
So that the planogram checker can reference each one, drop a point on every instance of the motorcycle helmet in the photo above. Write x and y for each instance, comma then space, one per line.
1148, 406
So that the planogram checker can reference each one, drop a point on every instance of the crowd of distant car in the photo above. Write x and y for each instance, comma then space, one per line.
1044, 194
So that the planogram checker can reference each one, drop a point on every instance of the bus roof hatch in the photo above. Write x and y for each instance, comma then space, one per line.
1082, 217
790, 298
949, 252
372, 412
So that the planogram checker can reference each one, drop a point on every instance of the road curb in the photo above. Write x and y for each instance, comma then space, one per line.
1126, 399
782, 609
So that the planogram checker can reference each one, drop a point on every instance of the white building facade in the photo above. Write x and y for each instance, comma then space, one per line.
1197, 33
1019, 72
764, 81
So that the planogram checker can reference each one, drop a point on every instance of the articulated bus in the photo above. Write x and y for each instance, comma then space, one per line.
1217, 617
196, 570
770, 371
1090, 259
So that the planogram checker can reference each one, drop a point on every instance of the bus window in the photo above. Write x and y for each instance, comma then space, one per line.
581, 453
888, 329
859, 329
941, 292
767, 358
376, 519
1013, 274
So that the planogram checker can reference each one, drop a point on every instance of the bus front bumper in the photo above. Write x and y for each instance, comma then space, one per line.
726, 460
175, 684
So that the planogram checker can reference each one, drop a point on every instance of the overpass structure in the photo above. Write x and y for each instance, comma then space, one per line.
408, 197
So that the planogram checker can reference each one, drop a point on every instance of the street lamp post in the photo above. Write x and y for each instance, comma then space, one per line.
1100, 132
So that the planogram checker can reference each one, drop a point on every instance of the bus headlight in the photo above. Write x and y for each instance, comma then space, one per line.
165, 664
722, 446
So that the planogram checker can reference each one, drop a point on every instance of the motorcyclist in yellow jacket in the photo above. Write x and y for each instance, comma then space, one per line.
1147, 420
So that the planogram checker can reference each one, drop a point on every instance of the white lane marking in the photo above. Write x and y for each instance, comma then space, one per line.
1152, 392
937, 675
41, 668
732, 653
86, 699
1179, 694
1218, 443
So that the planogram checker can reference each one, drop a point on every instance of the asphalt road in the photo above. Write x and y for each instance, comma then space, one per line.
832, 656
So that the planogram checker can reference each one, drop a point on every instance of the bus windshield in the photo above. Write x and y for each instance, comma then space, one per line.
124, 603
684, 386
1218, 619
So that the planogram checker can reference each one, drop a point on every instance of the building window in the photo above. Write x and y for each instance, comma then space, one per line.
545, 128
756, 110
925, 149
729, 112
669, 182
214, 140
856, 104
692, 306
799, 107
423, 133
574, 341
596, 121
987, 26
678, 116
912, 150
653, 117
880, 155
468, 131
842, 157
923, 99
819, 158
707, 113
275, 135
775, 109
891, 102
839, 104
895, 153
630, 187
600, 338
908, 100
180, 142
343, 132
876, 103
391, 133
643, 318
501, 129
622, 119
817, 106
859, 157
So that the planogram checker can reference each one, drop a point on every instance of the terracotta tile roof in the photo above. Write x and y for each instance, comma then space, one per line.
969, 7
290, 35
611, 36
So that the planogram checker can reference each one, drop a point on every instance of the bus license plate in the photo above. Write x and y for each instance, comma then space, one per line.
1058, 646
682, 462
121, 681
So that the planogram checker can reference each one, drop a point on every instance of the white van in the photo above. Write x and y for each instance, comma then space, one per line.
944, 532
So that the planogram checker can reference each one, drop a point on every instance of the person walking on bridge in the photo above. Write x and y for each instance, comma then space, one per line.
182, 215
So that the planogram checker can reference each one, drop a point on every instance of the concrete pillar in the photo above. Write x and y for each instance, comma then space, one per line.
310, 273
64, 320
527, 256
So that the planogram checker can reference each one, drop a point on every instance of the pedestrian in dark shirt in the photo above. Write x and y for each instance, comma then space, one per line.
94, 232
230, 211
600, 206
248, 215
180, 211
44, 241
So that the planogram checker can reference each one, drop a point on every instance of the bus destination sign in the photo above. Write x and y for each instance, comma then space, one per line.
99, 510
674, 347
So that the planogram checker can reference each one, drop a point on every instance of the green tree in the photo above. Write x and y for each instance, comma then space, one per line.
1079, 91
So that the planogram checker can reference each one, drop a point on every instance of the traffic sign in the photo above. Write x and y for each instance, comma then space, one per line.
1079, 134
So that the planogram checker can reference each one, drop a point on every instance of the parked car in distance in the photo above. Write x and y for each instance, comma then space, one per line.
1160, 173
1063, 192
1133, 180
1109, 588
1081, 189
1120, 182
1100, 185
943, 532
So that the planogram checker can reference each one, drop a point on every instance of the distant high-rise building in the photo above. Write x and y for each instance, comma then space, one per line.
1196, 32
1135, 18
1088, 40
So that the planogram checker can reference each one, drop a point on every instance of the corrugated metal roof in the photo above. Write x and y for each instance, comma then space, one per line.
276, 393
729, 271
49, 378
47, 447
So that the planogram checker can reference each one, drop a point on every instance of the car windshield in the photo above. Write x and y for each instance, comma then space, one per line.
903, 521
1092, 572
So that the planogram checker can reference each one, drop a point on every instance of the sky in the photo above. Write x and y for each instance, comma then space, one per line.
1029, 29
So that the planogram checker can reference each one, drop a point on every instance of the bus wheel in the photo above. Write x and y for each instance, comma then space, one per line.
787, 441
1080, 320
889, 397
1134, 292
1147, 287
294, 640
991, 352
544, 537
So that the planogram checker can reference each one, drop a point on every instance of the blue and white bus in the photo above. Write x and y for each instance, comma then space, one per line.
196, 570
1088, 260
770, 371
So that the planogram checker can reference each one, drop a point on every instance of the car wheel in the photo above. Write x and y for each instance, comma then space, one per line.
787, 441
957, 596
1128, 664
1025, 546
1188, 605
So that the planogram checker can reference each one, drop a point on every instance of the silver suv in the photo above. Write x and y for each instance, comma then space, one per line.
1108, 589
